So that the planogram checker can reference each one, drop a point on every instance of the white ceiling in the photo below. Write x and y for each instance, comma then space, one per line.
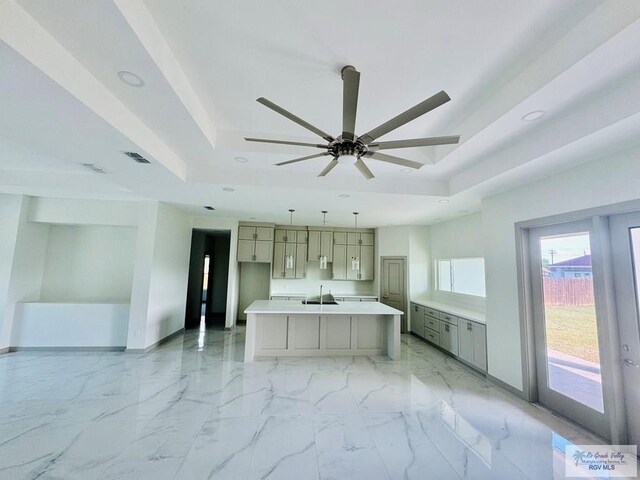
204, 64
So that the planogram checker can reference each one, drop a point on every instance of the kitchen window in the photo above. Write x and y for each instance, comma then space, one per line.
461, 275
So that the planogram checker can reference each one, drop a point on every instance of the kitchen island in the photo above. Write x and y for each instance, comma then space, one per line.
278, 328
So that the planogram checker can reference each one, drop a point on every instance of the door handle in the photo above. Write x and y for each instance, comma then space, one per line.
629, 363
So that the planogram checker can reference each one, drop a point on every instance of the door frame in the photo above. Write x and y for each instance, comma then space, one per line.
605, 307
405, 299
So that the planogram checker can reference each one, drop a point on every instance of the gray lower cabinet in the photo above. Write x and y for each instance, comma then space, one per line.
473, 343
417, 319
449, 337
466, 339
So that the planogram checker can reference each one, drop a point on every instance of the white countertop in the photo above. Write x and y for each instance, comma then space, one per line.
297, 307
453, 310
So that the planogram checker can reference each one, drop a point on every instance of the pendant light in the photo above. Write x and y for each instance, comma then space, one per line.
355, 261
289, 260
323, 258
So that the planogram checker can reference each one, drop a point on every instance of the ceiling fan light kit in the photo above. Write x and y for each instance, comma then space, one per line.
350, 149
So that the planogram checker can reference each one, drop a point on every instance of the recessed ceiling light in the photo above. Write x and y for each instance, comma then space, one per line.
209, 207
344, 195
405, 170
531, 116
252, 218
241, 160
228, 189
443, 201
130, 78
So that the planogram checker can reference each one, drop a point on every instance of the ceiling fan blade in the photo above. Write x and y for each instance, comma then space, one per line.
415, 142
396, 160
351, 80
295, 119
309, 157
283, 142
329, 167
405, 117
364, 170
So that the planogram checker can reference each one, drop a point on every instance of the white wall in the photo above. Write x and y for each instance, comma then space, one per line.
89, 263
457, 238
605, 181
10, 211
169, 274
70, 325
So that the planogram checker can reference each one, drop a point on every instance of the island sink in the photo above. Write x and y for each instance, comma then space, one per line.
318, 302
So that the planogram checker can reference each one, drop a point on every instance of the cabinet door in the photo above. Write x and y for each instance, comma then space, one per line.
301, 260
479, 345
327, 245
366, 263
246, 233
301, 236
280, 235
264, 251
352, 252
290, 249
366, 239
264, 233
245, 250
340, 238
417, 318
313, 251
449, 337
278, 260
352, 238
465, 340
339, 265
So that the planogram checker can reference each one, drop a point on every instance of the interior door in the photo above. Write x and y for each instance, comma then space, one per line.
567, 344
392, 287
625, 248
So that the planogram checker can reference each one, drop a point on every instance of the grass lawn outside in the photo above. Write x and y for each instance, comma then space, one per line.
572, 330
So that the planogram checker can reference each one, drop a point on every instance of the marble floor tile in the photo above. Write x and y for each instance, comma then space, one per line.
193, 410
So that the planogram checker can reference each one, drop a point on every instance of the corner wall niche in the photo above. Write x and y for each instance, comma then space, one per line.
82, 277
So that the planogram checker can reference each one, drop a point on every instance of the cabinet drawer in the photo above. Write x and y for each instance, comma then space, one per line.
432, 336
431, 322
449, 318
432, 312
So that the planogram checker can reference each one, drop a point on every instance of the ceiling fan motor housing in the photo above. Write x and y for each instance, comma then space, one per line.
341, 147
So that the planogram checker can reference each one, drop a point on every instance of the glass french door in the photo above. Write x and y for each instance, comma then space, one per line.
625, 248
567, 344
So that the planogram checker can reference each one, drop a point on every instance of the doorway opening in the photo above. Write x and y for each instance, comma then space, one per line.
208, 278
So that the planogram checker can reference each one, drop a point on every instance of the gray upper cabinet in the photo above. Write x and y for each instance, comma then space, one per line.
290, 242
340, 238
255, 243
320, 243
349, 246
339, 266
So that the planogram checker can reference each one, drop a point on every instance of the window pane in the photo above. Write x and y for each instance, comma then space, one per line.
468, 276
444, 275
571, 334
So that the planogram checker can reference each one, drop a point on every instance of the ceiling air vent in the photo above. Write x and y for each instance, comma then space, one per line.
137, 157
93, 167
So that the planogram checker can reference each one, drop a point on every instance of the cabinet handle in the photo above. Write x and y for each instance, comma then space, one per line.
469, 326
446, 328
253, 257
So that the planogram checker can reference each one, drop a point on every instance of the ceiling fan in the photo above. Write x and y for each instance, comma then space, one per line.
349, 148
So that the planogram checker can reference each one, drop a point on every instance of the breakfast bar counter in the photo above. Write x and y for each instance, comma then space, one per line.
278, 328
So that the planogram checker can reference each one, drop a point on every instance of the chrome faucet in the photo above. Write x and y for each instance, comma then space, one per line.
320, 294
